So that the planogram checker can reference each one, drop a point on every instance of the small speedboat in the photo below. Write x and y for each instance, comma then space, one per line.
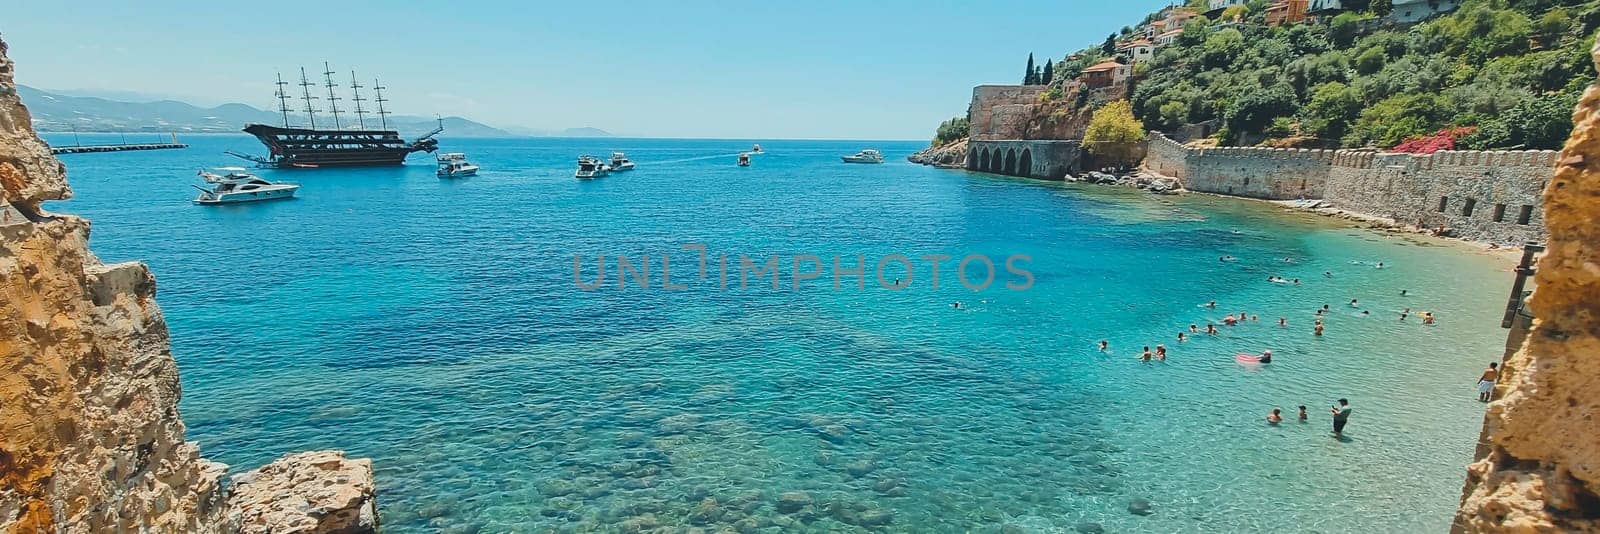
454, 164
234, 186
620, 162
744, 159
756, 149
864, 156
590, 167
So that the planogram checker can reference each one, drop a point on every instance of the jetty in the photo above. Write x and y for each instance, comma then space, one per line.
82, 149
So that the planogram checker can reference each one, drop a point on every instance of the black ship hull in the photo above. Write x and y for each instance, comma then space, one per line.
310, 148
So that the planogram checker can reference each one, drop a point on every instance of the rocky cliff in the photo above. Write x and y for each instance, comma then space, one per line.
952, 155
90, 438
1542, 473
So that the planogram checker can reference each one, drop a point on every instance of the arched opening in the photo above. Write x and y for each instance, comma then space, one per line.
1011, 161
1025, 165
983, 162
972, 159
994, 161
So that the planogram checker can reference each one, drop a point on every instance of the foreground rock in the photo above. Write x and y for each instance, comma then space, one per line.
950, 156
1542, 472
320, 492
90, 439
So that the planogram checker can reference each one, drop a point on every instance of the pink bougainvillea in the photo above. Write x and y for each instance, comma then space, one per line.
1444, 139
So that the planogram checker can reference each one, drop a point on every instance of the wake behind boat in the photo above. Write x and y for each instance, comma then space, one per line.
238, 186
864, 156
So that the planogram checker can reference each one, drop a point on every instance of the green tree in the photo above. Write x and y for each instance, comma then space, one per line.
1394, 119
951, 130
1048, 74
1255, 108
1331, 108
1110, 46
1382, 8
1113, 133
1342, 31
1235, 13
1027, 76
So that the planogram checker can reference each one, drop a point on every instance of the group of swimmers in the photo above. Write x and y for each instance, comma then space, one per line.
1340, 411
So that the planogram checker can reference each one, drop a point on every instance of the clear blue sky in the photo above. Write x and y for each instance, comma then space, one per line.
823, 69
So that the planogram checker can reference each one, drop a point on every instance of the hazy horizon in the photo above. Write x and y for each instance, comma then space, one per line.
705, 70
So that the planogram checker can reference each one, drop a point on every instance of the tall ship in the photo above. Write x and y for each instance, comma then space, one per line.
344, 145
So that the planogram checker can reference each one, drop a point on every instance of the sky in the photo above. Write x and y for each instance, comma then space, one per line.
888, 69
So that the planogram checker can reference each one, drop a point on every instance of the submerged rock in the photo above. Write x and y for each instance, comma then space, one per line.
1140, 507
1089, 528
793, 501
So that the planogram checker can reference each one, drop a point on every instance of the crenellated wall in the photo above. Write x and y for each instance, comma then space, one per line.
1049, 160
1483, 196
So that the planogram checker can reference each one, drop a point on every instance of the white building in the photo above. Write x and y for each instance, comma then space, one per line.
1324, 6
1409, 11
1219, 5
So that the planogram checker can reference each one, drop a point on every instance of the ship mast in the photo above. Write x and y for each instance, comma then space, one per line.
382, 115
333, 101
283, 100
305, 95
360, 113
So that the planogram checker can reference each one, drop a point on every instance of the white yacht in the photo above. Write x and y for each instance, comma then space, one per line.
864, 156
744, 159
453, 164
236, 186
756, 149
590, 167
620, 162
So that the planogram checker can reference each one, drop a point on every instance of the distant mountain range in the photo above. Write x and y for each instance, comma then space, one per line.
57, 112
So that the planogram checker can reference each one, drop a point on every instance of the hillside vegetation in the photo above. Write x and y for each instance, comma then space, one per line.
1492, 74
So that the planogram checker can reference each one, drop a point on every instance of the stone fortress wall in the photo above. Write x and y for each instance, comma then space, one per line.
1049, 160
1001, 112
1484, 196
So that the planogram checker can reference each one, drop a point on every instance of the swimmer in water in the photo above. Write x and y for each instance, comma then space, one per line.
1318, 330
1266, 356
1211, 329
1229, 320
1161, 352
1102, 345
1353, 304
1365, 312
956, 305
1380, 265
1324, 307
1327, 274
1283, 322
1297, 281
1181, 338
1402, 292
1145, 356
1402, 317
1193, 329
1274, 417
1211, 304
1427, 317
1255, 317
1302, 413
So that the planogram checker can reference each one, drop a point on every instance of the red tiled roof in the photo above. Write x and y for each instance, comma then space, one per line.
1103, 66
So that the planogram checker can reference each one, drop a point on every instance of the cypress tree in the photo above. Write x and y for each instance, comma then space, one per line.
1049, 73
1028, 77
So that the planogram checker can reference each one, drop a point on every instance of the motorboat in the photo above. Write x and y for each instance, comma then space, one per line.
590, 167
756, 149
864, 156
620, 162
234, 185
454, 164
744, 159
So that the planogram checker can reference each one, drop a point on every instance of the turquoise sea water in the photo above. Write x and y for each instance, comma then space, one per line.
435, 327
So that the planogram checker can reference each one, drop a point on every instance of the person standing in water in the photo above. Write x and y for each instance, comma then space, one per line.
1302, 413
1102, 345
1275, 417
1211, 328
1318, 329
1341, 416
1145, 356
1283, 322
1486, 382
1181, 337
1161, 352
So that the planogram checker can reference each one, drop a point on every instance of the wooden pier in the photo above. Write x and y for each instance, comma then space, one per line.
83, 149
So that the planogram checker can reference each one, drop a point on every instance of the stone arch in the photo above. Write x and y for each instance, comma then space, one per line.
1025, 165
983, 162
994, 161
1011, 161
972, 158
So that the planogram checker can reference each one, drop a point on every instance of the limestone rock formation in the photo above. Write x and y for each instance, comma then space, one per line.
90, 439
951, 155
307, 492
1542, 473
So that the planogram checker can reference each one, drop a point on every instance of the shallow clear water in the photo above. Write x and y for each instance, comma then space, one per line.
435, 327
